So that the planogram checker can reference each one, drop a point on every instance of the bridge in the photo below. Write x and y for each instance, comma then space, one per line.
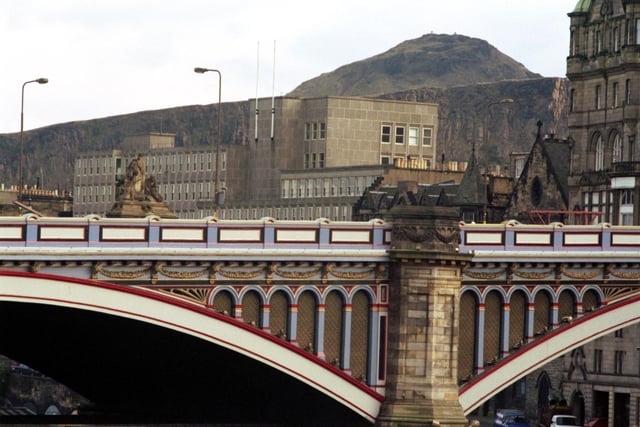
347, 323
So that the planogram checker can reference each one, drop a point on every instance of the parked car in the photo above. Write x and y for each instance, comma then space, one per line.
564, 421
596, 422
510, 418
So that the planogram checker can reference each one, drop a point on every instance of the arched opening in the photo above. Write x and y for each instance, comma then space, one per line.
566, 305
542, 313
251, 308
333, 328
467, 334
360, 326
590, 301
279, 314
307, 321
544, 390
223, 303
517, 320
493, 327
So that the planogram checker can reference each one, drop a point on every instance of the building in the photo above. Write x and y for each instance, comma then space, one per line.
185, 176
314, 157
604, 69
305, 158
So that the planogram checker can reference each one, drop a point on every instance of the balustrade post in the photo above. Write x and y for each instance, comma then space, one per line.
422, 356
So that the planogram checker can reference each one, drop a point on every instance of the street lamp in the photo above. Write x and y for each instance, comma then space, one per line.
486, 152
41, 80
216, 186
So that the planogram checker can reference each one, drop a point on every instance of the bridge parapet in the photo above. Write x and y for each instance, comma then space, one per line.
555, 237
267, 233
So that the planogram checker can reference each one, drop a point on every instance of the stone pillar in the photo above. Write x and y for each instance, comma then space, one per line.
422, 357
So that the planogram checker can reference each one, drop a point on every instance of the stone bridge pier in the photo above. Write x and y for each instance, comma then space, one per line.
424, 311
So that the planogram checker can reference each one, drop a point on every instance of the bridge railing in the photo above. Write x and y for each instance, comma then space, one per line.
514, 236
266, 233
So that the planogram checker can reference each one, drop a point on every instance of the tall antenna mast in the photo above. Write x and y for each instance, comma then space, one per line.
273, 92
255, 137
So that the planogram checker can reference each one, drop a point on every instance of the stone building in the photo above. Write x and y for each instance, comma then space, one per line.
540, 193
603, 67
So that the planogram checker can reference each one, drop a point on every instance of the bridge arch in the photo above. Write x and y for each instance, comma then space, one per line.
222, 361
618, 314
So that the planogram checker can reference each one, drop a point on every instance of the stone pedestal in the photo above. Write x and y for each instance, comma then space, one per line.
422, 359
140, 209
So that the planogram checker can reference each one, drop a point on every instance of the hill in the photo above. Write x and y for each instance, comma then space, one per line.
454, 84
433, 60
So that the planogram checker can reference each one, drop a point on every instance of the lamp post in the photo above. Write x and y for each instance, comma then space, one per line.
216, 186
486, 152
41, 80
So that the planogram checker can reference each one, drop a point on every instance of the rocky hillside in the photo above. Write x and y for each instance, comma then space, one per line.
433, 60
463, 75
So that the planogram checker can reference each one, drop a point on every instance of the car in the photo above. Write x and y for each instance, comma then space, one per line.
510, 418
564, 421
596, 422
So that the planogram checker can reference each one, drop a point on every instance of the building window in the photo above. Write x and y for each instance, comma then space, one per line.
385, 160
426, 136
385, 134
321, 160
307, 131
597, 361
572, 42
618, 333
323, 130
627, 90
598, 42
599, 151
314, 131
615, 94
616, 155
616, 41
306, 160
313, 160
399, 134
597, 98
618, 359
413, 136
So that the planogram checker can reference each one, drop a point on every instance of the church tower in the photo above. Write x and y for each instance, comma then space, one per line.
604, 69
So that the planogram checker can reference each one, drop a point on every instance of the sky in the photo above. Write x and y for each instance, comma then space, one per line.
112, 57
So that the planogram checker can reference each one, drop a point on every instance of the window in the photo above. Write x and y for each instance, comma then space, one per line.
618, 359
323, 130
618, 333
614, 102
321, 160
597, 98
306, 160
616, 40
616, 155
307, 131
627, 90
385, 135
572, 100
426, 136
314, 131
399, 134
413, 136
598, 42
313, 160
572, 42
385, 160
599, 152
597, 361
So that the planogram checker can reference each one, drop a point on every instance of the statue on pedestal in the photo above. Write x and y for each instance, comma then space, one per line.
137, 195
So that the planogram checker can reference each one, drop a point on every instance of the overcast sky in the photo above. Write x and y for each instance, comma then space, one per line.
111, 57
